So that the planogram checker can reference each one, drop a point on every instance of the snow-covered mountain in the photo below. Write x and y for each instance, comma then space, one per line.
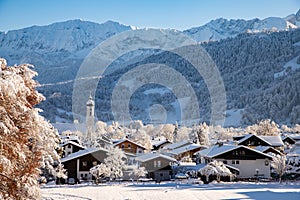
223, 28
58, 50
60, 46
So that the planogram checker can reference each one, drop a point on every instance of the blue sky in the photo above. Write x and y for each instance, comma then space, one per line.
178, 14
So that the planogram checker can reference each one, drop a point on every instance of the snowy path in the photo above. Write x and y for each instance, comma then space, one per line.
171, 191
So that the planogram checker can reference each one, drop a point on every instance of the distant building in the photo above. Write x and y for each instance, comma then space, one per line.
90, 118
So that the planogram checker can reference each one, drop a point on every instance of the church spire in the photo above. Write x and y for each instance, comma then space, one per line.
90, 119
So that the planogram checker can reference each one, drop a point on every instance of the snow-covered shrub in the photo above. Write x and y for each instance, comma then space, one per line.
215, 169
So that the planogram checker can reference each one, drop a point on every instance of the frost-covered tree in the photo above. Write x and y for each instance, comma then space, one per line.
193, 134
202, 133
141, 137
26, 139
99, 171
216, 168
183, 134
167, 131
175, 132
115, 162
280, 165
137, 172
264, 127
100, 128
60, 172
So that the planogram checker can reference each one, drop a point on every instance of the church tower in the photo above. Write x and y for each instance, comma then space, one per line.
90, 110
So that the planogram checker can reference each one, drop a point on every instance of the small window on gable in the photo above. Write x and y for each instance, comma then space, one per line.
84, 163
233, 162
154, 163
123, 146
95, 163
158, 163
129, 145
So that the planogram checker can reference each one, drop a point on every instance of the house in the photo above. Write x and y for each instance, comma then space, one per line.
78, 164
268, 150
70, 147
176, 145
159, 144
186, 151
158, 166
129, 146
288, 140
255, 140
250, 162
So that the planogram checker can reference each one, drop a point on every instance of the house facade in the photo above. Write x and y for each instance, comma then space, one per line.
250, 162
158, 166
78, 164
129, 146
70, 147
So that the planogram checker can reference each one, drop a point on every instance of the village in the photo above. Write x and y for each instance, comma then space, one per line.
200, 154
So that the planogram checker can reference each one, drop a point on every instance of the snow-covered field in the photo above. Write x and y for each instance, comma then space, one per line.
174, 191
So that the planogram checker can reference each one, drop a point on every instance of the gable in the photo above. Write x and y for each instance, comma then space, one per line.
241, 153
253, 140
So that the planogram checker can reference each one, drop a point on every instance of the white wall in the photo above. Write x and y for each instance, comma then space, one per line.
248, 168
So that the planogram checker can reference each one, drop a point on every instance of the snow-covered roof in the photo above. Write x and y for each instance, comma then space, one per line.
158, 142
217, 150
151, 156
176, 145
123, 140
251, 135
81, 153
186, 148
73, 143
61, 127
273, 140
264, 149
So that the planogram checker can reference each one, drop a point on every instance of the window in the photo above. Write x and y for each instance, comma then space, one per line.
237, 162
122, 146
154, 163
158, 163
129, 145
95, 163
225, 161
84, 163
233, 162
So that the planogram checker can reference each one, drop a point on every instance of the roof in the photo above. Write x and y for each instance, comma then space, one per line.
251, 135
73, 143
124, 140
217, 150
186, 148
81, 153
264, 148
177, 145
156, 143
151, 156
273, 140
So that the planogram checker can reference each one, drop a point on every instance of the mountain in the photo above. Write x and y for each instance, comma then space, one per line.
60, 46
223, 28
257, 60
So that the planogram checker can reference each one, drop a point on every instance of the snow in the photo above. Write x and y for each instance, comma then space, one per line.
233, 117
151, 156
183, 149
174, 191
273, 140
81, 153
176, 145
290, 65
